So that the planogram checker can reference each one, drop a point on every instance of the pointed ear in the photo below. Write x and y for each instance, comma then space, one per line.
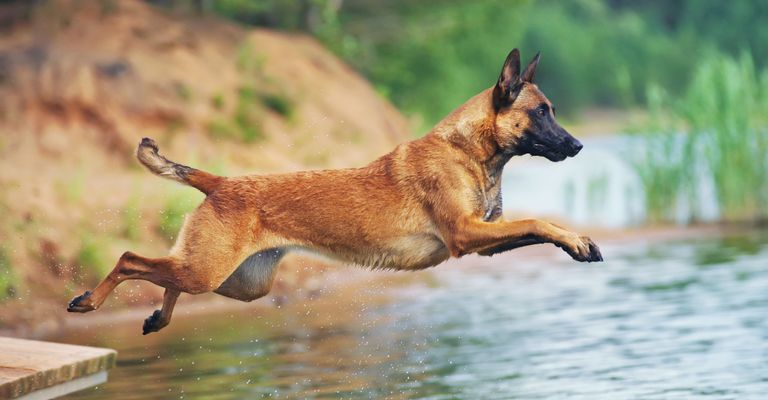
508, 86
530, 70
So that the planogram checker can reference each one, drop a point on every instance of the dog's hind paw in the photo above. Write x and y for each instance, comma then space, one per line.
81, 304
153, 323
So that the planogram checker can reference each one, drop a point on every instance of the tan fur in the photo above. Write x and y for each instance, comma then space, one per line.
413, 208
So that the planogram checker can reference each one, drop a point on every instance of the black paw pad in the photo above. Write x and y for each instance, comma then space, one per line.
153, 323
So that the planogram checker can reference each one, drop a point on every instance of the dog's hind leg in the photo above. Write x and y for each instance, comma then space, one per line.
160, 318
253, 278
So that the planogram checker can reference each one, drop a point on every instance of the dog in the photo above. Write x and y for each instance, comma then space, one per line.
428, 200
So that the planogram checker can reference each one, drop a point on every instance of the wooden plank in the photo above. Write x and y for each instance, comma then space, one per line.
28, 365
66, 388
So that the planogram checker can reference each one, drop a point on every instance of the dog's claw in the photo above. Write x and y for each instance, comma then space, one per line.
77, 304
153, 323
594, 253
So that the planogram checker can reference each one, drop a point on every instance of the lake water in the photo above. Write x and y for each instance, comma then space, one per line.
678, 319
600, 187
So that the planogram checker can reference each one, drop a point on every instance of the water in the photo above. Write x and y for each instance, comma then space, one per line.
599, 187
680, 319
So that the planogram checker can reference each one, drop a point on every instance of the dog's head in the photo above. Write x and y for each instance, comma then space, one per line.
525, 118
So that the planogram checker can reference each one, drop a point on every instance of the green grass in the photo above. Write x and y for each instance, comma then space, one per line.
92, 259
223, 129
247, 118
217, 101
131, 217
716, 129
8, 280
173, 213
73, 187
247, 60
253, 97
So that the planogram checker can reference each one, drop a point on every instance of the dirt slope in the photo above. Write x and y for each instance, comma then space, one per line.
82, 82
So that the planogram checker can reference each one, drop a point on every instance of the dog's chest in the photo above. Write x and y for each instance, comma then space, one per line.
491, 201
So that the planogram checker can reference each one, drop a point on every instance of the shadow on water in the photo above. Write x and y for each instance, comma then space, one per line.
665, 320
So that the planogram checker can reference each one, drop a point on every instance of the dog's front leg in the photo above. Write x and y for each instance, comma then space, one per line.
486, 238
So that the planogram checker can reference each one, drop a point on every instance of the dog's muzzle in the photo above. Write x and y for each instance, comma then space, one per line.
575, 147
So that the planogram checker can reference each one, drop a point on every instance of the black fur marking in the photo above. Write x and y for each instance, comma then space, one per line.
544, 137
524, 241
182, 171
147, 142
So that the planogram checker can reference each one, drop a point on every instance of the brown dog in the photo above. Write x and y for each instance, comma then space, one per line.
428, 200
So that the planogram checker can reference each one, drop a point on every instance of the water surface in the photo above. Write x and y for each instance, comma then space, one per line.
681, 319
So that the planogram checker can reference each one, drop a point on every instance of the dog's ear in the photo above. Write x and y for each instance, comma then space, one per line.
530, 70
508, 86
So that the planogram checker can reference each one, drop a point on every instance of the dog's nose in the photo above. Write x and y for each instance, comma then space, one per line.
577, 146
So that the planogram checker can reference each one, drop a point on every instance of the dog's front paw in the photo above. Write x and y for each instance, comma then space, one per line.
582, 248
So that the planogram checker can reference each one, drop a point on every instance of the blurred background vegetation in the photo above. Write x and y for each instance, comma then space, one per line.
428, 56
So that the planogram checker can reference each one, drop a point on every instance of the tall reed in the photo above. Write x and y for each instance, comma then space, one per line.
715, 134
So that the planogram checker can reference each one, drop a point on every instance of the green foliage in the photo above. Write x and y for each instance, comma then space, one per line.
429, 56
131, 216
307, 15
717, 130
278, 103
183, 91
108, 7
594, 55
217, 101
245, 125
247, 118
173, 213
247, 60
73, 188
436, 56
8, 280
223, 129
92, 258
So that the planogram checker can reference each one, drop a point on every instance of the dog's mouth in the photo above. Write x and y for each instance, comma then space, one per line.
557, 151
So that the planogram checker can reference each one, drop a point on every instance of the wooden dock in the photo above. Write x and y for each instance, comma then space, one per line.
31, 369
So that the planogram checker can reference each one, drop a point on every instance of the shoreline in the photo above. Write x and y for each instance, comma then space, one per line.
333, 284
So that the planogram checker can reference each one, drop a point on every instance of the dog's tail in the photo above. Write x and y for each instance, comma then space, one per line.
147, 153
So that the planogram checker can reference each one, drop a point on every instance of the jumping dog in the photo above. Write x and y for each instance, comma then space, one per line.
428, 200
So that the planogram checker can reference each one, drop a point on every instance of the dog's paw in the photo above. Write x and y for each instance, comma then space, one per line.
594, 252
153, 323
81, 304
582, 249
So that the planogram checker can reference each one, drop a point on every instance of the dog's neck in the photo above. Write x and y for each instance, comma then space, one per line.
471, 128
